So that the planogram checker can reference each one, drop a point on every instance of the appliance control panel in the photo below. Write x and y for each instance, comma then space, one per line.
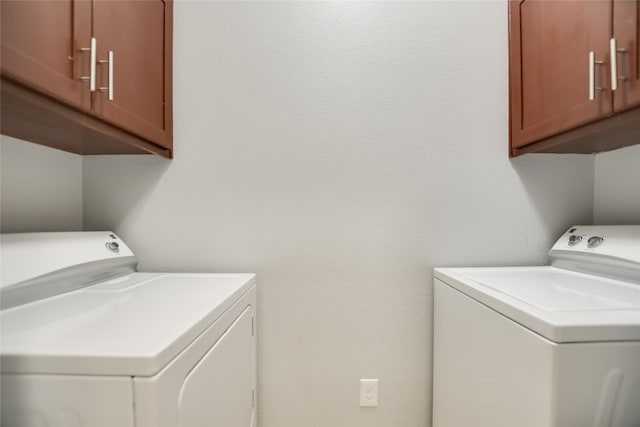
590, 245
26, 256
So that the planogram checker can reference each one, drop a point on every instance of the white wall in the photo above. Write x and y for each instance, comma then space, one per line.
40, 188
617, 187
340, 150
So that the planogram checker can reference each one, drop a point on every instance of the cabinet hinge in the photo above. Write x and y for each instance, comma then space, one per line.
253, 397
252, 326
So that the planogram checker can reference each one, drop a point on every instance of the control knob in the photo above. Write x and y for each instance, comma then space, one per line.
113, 246
574, 240
594, 242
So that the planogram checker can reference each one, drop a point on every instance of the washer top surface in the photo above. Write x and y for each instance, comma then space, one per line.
561, 305
131, 325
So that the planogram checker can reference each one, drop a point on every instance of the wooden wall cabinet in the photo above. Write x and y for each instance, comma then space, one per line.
46, 63
563, 56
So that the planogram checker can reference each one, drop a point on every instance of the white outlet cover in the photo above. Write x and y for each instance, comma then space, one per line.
369, 392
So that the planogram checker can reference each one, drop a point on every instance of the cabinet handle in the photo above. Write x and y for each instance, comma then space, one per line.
92, 72
614, 64
109, 88
592, 75
614, 51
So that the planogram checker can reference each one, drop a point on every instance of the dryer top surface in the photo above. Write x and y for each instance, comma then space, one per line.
131, 325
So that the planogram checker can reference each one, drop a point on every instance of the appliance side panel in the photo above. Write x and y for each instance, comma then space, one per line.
65, 400
219, 389
598, 384
488, 370
158, 398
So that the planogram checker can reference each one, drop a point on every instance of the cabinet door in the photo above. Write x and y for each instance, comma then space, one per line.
135, 31
41, 42
549, 66
626, 31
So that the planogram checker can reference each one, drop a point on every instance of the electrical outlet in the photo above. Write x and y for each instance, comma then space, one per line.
369, 392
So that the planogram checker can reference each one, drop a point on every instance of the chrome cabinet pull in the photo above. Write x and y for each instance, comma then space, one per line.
614, 63
592, 75
614, 51
109, 88
92, 72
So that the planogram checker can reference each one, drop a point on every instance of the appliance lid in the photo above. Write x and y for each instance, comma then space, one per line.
131, 325
559, 304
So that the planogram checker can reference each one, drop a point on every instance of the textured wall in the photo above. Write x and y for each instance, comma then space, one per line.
41, 188
340, 150
617, 187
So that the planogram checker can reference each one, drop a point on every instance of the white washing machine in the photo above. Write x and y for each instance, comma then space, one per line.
87, 341
554, 345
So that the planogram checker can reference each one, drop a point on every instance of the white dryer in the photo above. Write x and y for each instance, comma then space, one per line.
554, 345
87, 341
